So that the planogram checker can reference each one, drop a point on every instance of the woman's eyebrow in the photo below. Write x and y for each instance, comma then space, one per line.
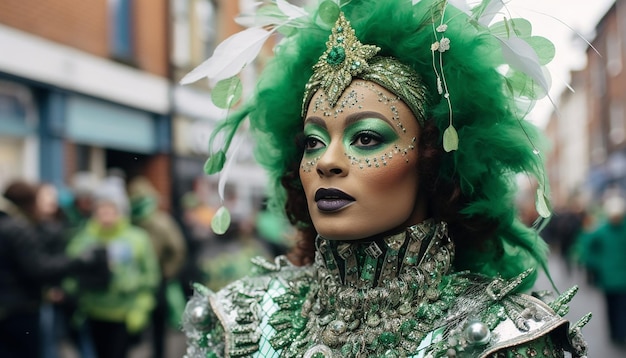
315, 120
366, 114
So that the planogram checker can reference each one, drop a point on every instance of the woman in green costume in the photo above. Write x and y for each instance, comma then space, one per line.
392, 132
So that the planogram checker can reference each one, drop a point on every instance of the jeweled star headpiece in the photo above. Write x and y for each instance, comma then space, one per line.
347, 58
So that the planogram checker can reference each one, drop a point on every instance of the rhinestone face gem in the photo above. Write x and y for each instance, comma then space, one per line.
338, 326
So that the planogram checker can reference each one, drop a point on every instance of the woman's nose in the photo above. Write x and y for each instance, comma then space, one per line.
333, 162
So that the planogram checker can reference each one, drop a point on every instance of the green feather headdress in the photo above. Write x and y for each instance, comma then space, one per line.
482, 77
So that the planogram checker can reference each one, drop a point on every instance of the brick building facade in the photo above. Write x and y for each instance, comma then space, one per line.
90, 69
589, 133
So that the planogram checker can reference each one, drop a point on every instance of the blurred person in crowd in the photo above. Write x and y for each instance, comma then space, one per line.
117, 311
275, 230
603, 253
226, 257
169, 247
26, 267
196, 226
197, 215
79, 207
56, 305
565, 227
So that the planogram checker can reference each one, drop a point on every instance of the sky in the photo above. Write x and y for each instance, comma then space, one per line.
549, 18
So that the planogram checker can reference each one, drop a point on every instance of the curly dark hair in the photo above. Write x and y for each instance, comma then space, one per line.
23, 195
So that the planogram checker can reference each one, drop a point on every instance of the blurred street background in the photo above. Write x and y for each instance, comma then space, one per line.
97, 133
588, 299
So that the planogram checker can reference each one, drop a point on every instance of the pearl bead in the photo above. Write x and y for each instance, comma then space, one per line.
477, 333
198, 315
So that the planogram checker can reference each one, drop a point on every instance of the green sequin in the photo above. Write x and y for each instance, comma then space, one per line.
388, 339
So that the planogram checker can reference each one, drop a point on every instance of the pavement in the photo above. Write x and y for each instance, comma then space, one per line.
175, 347
588, 299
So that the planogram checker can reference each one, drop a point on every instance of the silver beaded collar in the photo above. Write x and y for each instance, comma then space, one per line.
367, 292
366, 264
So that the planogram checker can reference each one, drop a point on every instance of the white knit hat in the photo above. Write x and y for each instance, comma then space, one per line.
113, 190
614, 206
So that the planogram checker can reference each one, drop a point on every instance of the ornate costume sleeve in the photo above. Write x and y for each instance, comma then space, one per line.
205, 334
542, 347
239, 319
496, 322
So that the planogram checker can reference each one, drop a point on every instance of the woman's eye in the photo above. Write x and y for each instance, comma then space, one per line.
366, 139
311, 143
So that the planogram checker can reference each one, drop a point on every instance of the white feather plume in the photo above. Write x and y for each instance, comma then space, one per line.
522, 57
490, 11
290, 10
231, 56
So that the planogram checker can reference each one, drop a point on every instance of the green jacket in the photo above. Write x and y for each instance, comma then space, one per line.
603, 252
166, 238
129, 295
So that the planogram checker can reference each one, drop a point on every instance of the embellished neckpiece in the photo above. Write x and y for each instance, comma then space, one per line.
373, 296
376, 263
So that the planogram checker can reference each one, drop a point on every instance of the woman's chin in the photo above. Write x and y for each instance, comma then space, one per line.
346, 232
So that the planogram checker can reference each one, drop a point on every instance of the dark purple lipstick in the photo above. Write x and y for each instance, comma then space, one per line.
332, 199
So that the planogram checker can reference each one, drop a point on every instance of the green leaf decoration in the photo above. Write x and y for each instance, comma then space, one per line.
450, 139
227, 92
521, 85
544, 48
215, 163
329, 12
521, 27
511, 27
543, 204
220, 221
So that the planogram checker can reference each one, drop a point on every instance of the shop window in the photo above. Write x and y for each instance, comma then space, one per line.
83, 158
206, 17
598, 151
17, 110
621, 22
616, 121
121, 29
613, 53
18, 133
181, 51
194, 31
598, 78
